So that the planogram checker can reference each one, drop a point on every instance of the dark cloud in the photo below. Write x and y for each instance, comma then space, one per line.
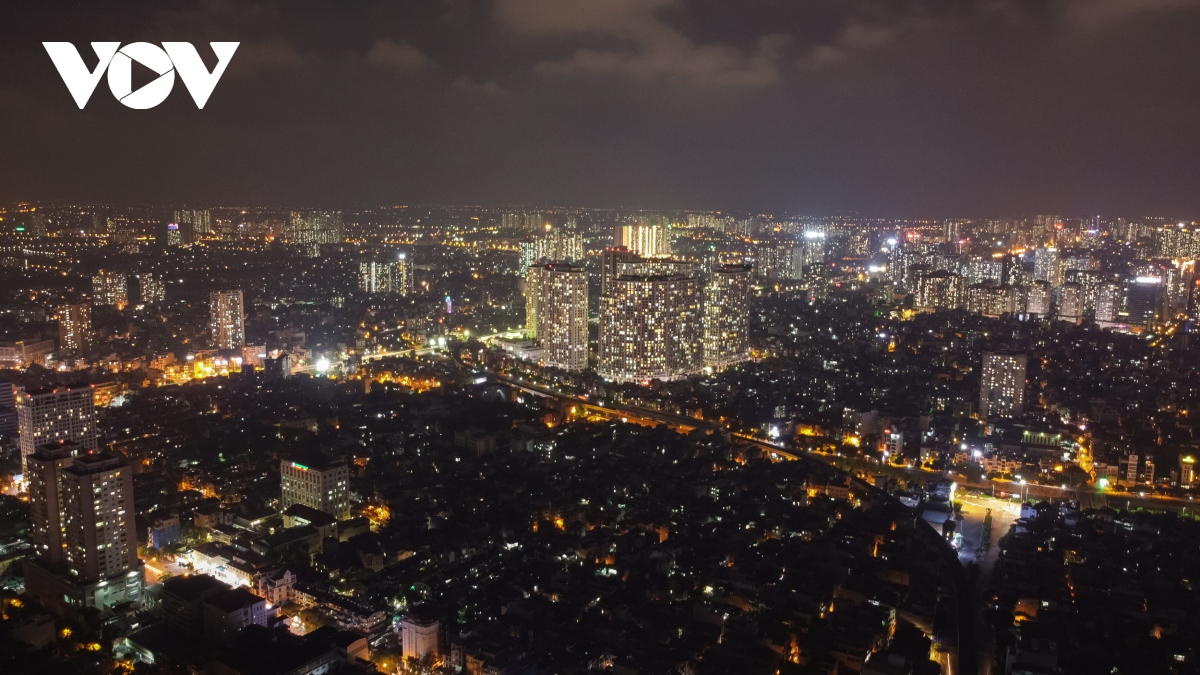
401, 56
885, 106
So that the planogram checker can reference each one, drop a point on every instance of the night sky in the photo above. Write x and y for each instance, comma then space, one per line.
889, 108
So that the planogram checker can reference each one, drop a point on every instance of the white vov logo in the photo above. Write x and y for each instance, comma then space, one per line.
172, 57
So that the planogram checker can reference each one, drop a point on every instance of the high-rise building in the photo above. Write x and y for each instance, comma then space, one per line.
1070, 302
175, 235
196, 221
647, 241
1109, 300
1176, 282
1046, 267
610, 258
953, 231
979, 270
151, 288
815, 247
726, 338
45, 415
1089, 282
97, 498
915, 268
1037, 299
75, 327
1143, 299
530, 222
551, 245
375, 276
1044, 228
533, 299
391, 274
779, 260
319, 482
38, 224
1002, 385
649, 328
1083, 263
109, 288
311, 229
43, 470
1014, 271
8, 410
940, 290
657, 267
83, 525
992, 300
227, 319
559, 313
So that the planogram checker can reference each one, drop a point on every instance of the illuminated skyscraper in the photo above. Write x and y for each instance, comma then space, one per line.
610, 258
940, 290
726, 338
1002, 385
656, 267
650, 328
1176, 281
1044, 228
1089, 282
318, 482
533, 299
991, 300
553, 244
530, 222
779, 260
109, 288
1046, 267
226, 319
393, 274
44, 472
311, 229
97, 499
45, 415
174, 235
1143, 299
647, 241
196, 222
815, 250
1014, 271
38, 224
953, 230
1109, 300
914, 274
1070, 302
75, 327
1037, 299
560, 313
81, 505
978, 270
152, 290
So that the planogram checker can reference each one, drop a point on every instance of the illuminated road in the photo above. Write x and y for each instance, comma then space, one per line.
1004, 514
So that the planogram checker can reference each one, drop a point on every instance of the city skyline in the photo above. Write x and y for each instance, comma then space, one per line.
600, 337
442, 403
